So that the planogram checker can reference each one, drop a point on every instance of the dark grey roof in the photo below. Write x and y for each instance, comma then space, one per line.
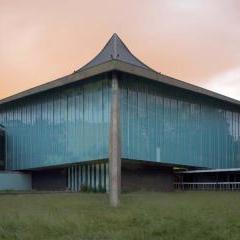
122, 60
115, 49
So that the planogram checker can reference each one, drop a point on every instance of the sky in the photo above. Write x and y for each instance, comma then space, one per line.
197, 41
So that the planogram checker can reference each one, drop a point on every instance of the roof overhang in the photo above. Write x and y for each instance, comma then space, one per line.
68, 79
116, 65
211, 171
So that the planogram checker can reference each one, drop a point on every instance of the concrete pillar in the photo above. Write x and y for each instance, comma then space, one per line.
115, 146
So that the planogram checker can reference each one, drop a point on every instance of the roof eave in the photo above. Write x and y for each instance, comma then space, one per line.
211, 170
116, 65
68, 79
138, 71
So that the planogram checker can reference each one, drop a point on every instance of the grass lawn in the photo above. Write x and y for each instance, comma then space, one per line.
191, 215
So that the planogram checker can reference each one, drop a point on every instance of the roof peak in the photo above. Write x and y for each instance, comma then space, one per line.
115, 49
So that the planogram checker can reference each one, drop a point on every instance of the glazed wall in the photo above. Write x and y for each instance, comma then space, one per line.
165, 124
61, 126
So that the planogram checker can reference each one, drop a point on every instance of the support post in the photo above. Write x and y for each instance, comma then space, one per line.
115, 146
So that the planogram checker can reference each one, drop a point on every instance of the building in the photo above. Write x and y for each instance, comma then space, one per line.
2, 147
61, 132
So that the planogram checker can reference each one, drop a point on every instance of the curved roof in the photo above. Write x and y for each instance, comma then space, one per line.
115, 49
115, 56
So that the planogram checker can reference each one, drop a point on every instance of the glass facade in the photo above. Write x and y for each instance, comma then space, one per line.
92, 176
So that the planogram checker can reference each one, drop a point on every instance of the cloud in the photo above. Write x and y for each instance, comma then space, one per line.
191, 40
226, 83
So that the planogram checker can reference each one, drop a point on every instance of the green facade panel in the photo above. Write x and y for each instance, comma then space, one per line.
60, 126
164, 124
159, 123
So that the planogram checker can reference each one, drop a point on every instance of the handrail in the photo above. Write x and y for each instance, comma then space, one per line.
215, 186
199, 183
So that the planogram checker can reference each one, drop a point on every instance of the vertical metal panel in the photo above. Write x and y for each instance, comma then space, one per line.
60, 126
164, 124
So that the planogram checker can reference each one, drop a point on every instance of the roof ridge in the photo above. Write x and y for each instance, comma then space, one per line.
117, 50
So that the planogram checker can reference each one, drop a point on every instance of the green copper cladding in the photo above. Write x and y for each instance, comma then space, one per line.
159, 123
60, 126
165, 124
162, 119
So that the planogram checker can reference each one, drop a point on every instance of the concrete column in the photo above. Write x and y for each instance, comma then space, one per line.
115, 146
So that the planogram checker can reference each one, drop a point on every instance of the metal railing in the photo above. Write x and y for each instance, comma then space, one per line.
207, 186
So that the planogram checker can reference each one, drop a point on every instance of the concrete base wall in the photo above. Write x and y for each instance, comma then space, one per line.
142, 176
50, 180
15, 181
